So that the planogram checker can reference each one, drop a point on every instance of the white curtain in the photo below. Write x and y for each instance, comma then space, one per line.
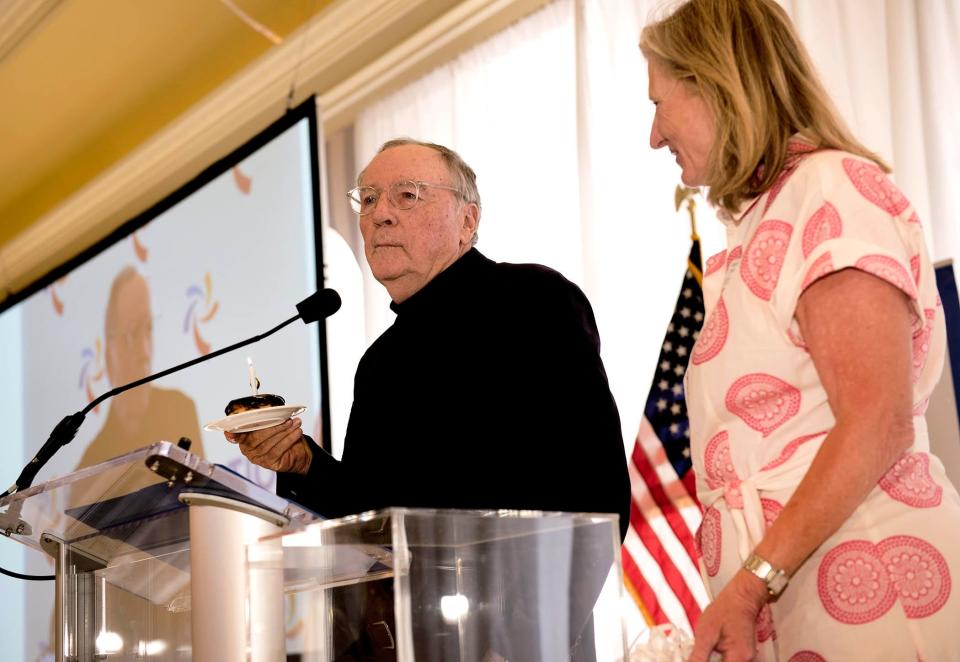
553, 115
508, 107
893, 69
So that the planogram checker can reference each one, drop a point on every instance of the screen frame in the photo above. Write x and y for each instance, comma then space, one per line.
306, 110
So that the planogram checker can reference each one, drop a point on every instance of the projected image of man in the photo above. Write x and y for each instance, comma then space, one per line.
147, 413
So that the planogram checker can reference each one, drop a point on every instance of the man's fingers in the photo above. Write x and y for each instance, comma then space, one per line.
279, 435
273, 450
266, 437
278, 455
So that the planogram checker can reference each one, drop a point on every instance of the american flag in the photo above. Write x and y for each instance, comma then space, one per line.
660, 558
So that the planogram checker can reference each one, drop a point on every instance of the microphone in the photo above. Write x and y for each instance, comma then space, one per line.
317, 306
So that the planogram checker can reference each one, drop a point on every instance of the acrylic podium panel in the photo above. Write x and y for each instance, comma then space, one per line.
448, 586
124, 536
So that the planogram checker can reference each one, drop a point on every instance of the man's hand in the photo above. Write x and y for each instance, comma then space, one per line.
279, 448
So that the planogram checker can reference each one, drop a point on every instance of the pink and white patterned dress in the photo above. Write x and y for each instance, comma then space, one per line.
880, 588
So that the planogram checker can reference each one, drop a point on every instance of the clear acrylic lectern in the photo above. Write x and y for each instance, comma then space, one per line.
448, 586
150, 551
163, 556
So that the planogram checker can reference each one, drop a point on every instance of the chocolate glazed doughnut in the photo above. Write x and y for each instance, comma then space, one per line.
251, 402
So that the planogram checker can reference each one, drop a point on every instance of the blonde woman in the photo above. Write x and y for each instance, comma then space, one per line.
829, 532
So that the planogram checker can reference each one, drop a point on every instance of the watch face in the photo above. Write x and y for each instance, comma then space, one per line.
777, 583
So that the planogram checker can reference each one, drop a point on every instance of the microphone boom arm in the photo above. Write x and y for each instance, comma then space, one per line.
67, 428
182, 366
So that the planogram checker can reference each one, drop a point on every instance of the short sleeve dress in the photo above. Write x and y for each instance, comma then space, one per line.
880, 588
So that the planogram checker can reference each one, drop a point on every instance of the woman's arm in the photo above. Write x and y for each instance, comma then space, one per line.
858, 331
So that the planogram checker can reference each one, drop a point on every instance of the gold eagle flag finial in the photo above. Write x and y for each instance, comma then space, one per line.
687, 194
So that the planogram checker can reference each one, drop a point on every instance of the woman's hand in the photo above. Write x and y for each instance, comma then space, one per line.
279, 448
728, 625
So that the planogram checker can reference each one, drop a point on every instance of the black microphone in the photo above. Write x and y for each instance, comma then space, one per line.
317, 306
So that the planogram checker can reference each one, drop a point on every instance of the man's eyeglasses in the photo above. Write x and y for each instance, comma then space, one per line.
402, 195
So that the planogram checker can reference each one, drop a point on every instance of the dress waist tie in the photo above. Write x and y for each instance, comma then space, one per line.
742, 497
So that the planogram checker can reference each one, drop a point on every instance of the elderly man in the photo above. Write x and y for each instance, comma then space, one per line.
487, 391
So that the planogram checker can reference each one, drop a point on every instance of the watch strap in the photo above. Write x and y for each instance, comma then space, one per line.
775, 579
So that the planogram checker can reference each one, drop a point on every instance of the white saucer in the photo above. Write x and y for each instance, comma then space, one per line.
255, 419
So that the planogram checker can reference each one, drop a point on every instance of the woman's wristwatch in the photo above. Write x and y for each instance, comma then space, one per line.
776, 580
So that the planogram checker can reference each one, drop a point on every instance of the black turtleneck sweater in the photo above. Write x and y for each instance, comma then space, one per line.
486, 392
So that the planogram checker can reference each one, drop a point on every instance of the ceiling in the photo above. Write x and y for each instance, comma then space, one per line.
109, 105
84, 82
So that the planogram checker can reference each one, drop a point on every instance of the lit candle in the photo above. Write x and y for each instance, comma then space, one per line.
254, 382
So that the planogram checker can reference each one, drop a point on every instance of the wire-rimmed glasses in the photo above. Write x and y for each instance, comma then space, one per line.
402, 195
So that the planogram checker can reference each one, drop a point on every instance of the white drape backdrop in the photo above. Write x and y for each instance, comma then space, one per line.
558, 139
553, 115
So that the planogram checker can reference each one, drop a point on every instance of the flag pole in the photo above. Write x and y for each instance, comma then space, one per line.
686, 194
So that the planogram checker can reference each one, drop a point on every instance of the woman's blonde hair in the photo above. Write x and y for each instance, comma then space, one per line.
747, 62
